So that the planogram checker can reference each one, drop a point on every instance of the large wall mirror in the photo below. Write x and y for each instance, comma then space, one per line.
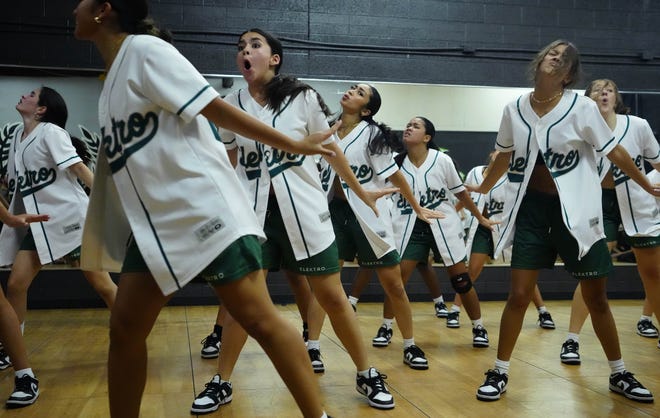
466, 117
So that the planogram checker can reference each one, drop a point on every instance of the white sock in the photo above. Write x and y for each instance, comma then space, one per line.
353, 300
22, 327
502, 366
364, 373
455, 308
407, 342
314, 344
388, 323
478, 323
648, 318
617, 366
23, 372
542, 309
324, 415
573, 336
438, 299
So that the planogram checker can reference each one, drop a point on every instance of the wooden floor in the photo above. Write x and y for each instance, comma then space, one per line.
68, 352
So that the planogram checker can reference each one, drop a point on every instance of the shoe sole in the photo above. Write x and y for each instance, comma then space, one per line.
571, 362
453, 326
442, 315
416, 366
374, 404
318, 369
4, 366
20, 404
380, 344
547, 326
210, 355
638, 333
480, 345
632, 397
214, 408
490, 398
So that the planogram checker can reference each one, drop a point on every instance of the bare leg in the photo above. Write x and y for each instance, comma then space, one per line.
10, 334
138, 303
103, 284
475, 267
330, 295
23, 271
522, 288
360, 282
315, 318
391, 280
594, 293
233, 341
470, 299
579, 312
247, 300
647, 310
648, 265
429, 277
302, 292
407, 267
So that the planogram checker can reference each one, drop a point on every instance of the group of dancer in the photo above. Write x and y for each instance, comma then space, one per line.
263, 203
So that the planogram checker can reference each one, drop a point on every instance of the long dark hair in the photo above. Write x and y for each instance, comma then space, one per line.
282, 89
429, 129
134, 18
570, 60
56, 111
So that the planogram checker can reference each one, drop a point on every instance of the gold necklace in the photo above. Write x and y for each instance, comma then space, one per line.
546, 100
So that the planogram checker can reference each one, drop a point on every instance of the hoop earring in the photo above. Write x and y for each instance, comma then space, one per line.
97, 19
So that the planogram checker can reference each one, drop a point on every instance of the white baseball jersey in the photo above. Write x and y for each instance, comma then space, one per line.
432, 183
42, 184
162, 175
569, 137
250, 168
295, 178
639, 209
494, 201
372, 172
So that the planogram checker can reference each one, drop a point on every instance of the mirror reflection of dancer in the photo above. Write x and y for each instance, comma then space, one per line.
295, 211
26, 385
480, 241
43, 174
433, 177
638, 209
368, 146
548, 140
156, 107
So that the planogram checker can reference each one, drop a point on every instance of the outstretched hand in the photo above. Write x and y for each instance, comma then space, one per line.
371, 196
427, 214
473, 188
655, 189
488, 223
313, 144
24, 219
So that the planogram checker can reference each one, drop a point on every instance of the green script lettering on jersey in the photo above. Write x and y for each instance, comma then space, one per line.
251, 161
494, 207
559, 163
621, 177
433, 198
277, 160
33, 180
517, 168
128, 137
364, 173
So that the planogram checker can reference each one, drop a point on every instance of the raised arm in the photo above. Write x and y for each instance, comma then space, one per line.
83, 172
622, 159
424, 214
496, 169
234, 119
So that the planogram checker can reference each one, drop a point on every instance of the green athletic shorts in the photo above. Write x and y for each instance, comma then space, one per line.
420, 243
483, 242
611, 215
352, 242
278, 253
243, 256
643, 242
541, 234
28, 244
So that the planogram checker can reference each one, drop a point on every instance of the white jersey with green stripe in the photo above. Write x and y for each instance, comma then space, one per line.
569, 138
40, 183
162, 173
639, 209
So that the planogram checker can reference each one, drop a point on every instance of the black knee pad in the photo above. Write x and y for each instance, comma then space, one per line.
461, 283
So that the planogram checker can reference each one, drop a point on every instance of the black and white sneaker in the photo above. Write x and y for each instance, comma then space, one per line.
626, 384
26, 392
212, 397
211, 346
545, 320
452, 320
570, 352
373, 387
383, 337
645, 328
479, 337
5, 361
414, 357
441, 310
315, 358
493, 387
